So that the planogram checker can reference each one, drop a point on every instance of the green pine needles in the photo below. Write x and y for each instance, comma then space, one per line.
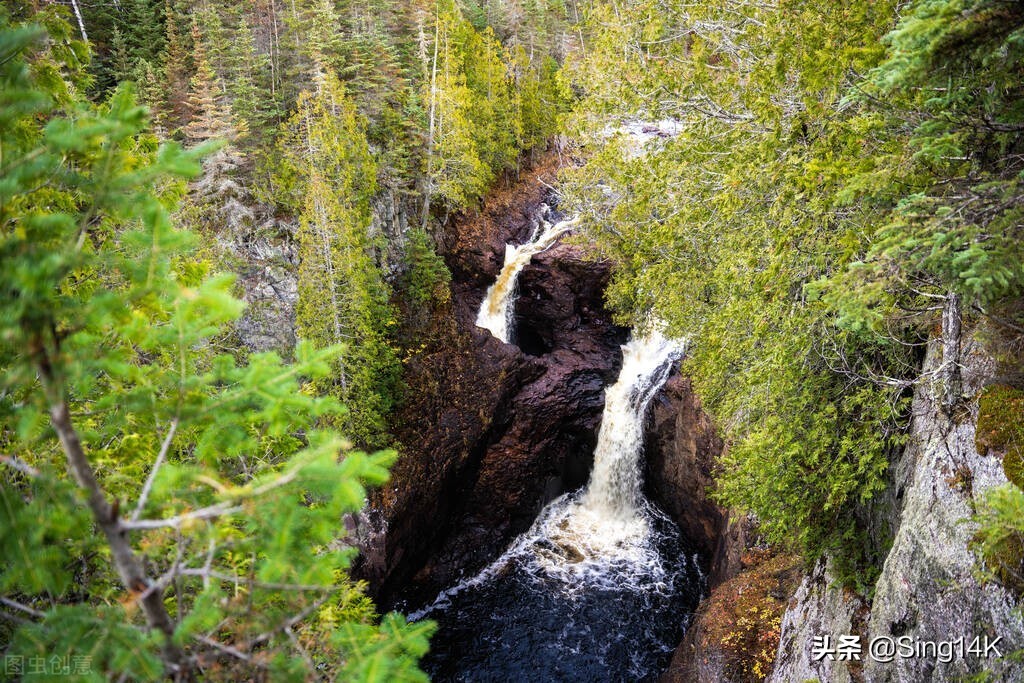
840, 187
343, 298
164, 511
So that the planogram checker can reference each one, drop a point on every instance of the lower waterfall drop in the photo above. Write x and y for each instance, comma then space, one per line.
601, 587
498, 306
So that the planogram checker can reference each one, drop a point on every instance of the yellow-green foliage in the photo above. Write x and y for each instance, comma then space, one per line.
833, 176
1001, 428
191, 506
486, 105
1000, 539
343, 297
743, 616
719, 229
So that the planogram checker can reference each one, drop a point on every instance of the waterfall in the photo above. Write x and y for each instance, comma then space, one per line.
614, 488
496, 311
600, 586
610, 520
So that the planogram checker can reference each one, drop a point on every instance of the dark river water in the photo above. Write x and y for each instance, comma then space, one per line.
542, 613
602, 586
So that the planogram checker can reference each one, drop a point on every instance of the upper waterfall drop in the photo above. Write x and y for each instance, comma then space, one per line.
496, 311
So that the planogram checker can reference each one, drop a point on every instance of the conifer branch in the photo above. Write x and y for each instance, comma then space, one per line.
14, 604
147, 487
19, 465
128, 566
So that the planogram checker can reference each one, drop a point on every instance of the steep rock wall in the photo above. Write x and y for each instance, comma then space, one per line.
259, 245
681, 449
929, 588
254, 243
490, 432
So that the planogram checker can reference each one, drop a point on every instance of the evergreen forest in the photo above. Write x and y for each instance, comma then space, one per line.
233, 235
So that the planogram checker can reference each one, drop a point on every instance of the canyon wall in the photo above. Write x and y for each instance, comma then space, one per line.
490, 432
929, 588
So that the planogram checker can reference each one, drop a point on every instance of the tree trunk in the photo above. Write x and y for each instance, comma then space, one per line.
429, 181
128, 566
78, 16
952, 321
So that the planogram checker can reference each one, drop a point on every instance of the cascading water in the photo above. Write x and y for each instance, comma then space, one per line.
600, 587
496, 311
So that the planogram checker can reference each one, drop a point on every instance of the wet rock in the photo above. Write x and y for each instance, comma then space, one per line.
489, 433
681, 450
473, 245
458, 403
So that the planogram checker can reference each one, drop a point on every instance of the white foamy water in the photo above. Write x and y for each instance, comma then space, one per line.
614, 488
607, 534
639, 136
496, 311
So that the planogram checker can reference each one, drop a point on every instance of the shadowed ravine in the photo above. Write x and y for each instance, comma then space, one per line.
601, 586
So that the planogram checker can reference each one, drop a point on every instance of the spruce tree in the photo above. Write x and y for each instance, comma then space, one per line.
209, 118
177, 66
343, 298
455, 169
165, 512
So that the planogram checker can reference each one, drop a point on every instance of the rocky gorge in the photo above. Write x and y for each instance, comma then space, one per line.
512, 340
491, 432
495, 431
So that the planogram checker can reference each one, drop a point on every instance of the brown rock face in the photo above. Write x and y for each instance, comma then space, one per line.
735, 632
681, 449
490, 432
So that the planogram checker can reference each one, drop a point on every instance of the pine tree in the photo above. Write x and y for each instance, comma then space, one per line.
540, 99
177, 66
455, 169
209, 118
143, 22
343, 298
313, 42
248, 71
150, 91
495, 118
119, 61
164, 511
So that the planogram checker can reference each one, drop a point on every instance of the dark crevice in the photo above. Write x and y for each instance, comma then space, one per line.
532, 341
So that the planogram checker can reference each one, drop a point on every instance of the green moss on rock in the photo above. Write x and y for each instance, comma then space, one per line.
1001, 428
999, 540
